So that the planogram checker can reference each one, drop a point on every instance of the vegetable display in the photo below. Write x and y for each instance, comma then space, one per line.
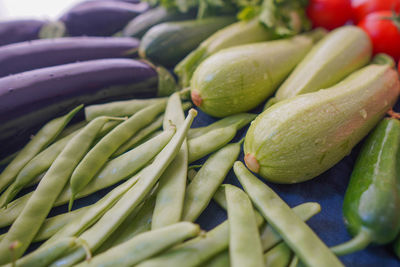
78, 127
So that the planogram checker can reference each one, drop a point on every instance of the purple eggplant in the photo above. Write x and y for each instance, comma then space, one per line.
20, 57
15, 31
100, 18
29, 99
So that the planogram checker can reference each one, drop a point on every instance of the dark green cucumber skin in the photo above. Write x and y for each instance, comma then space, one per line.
372, 199
168, 43
142, 23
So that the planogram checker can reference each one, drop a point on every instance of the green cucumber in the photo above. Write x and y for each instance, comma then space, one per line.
340, 53
240, 78
239, 33
371, 206
167, 43
301, 137
142, 23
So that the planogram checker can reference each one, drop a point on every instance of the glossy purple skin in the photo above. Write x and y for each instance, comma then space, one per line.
100, 18
28, 91
25, 56
15, 31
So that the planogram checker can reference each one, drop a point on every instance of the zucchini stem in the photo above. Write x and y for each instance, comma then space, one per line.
359, 242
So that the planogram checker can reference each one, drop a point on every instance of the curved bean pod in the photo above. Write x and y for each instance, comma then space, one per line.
120, 108
39, 164
203, 186
156, 124
269, 237
205, 144
244, 240
171, 189
279, 256
221, 260
40, 203
93, 214
126, 165
304, 242
137, 222
240, 120
43, 257
113, 218
42, 139
145, 132
193, 252
144, 245
95, 159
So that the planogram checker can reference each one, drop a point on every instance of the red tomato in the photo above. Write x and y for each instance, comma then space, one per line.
329, 14
385, 35
361, 8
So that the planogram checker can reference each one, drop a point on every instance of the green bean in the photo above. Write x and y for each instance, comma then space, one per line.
193, 252
110, 221
8, 159
95, 159
239, 120
39, 205
94, 213
220, 260
71, 129
40, 141
244, 240
140, 135
39, 164
43, 257
294, 262
137, 222
301, 239
145, 245
121, 108
212, 141
171, 192
113, 172
269, 237
279, 256
53, 224
145, 132
203, 186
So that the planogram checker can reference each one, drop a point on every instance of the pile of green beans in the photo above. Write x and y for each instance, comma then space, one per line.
147, 220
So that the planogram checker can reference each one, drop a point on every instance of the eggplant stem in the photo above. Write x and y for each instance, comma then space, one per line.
359, 242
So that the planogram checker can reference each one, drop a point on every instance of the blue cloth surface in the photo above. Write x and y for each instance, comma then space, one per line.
328, 190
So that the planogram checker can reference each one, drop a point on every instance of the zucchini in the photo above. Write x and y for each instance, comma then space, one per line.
29, 99
371, 204
167, 43
100, 18
20, 57
299, 138
239, 33
340, 53
142, 23
238, 79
